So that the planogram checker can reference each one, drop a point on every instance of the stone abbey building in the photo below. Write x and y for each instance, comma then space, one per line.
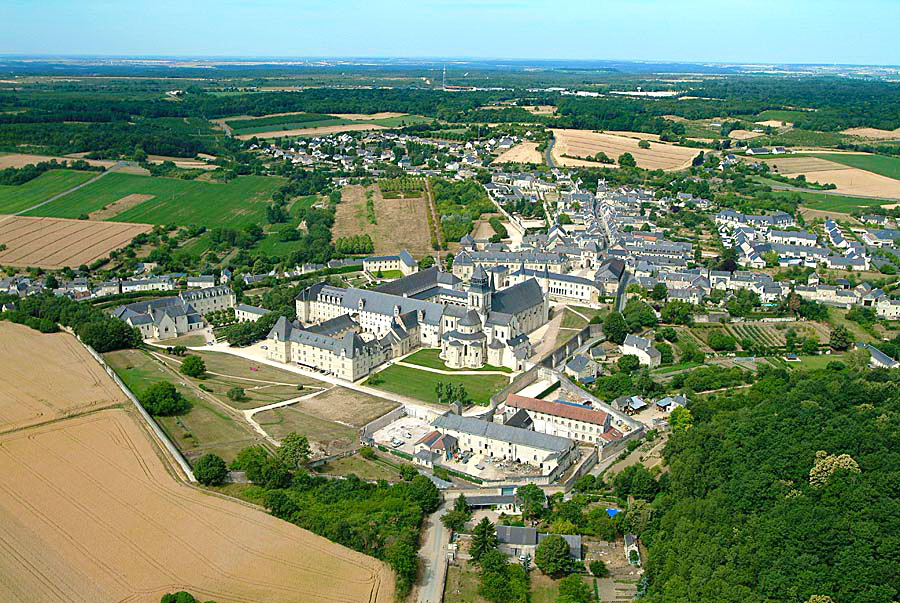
349, 332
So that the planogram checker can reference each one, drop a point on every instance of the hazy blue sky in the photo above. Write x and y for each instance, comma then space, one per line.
795, 31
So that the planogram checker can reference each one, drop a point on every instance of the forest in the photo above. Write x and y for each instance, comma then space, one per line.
783, 492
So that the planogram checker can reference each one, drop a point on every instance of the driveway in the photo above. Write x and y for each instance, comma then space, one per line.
433, 552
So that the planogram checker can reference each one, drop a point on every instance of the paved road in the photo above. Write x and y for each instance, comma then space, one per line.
548, 153
434, 556
71, 190
620, 292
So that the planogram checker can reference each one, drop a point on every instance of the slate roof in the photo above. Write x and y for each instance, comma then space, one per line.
517, 298
503, 433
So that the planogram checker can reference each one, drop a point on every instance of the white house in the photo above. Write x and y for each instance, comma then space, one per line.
643, 349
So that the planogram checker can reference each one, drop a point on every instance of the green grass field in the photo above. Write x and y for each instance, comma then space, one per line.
879, 164
420, 385
290, 122
239, 202
836, 203
779, 115
23, 196
431, 358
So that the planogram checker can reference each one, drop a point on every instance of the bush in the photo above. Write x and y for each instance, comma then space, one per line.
721, 342
210, 470
237, 394
367, 453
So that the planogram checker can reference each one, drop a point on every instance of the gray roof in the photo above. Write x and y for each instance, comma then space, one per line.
504, 433
517, 535
518, 298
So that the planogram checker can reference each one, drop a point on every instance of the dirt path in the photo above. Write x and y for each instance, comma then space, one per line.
435, 222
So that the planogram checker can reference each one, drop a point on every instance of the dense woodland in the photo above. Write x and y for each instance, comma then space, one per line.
753, 515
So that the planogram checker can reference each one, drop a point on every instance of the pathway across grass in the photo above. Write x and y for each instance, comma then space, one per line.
418, 384
16, 198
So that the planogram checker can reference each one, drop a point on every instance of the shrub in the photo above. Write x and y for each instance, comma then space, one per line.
193, 366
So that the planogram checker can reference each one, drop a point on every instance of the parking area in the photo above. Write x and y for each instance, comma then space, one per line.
402, 434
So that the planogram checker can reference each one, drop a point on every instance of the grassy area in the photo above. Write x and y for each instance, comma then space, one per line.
573, 321
880, 164
206, 428
239, 202
299, 122
388, 274
543, 588
327, 436
430, 358
186, 340
16, 198
676, 367
838, 316
462, 584
837, 203
361, 468
780, 115
816, 362
408, 381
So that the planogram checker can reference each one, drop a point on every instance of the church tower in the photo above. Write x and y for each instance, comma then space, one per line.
480, 291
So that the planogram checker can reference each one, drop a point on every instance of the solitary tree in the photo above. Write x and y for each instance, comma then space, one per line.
163, 400
237, 394
531, 500
210, 470
193, 366
615, 328
629, 363
840, 338
627, 160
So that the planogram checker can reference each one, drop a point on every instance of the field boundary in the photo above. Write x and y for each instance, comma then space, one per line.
167, 443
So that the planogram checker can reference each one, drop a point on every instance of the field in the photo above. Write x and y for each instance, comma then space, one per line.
773, 334
288, 125
48, 377
879, 164
524, 152
17, 160
408, 381
836, 203
852, 174
17, 198
236, 203
53, 243
91, 513
400, 223
873, 133
585, 143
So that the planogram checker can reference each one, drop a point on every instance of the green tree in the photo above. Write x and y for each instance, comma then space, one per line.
531, 500
294, 450
659, 292
615, 328
553, 557
598, 568
644, 144
162, 400
193, 366
840, 338
484, 539
628, 363
626, 160
573, 589
680, 419
237, 394
210, 470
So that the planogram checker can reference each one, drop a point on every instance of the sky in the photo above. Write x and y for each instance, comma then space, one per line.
729, 31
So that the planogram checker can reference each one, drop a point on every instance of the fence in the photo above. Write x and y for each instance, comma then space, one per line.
160, 434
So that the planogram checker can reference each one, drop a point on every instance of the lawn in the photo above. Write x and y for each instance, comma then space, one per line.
879, 164
206, 428
462, 584
817, 362
326, 436
779, 115
239, 202
430, 358
16, 198
388, 274
408, 381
